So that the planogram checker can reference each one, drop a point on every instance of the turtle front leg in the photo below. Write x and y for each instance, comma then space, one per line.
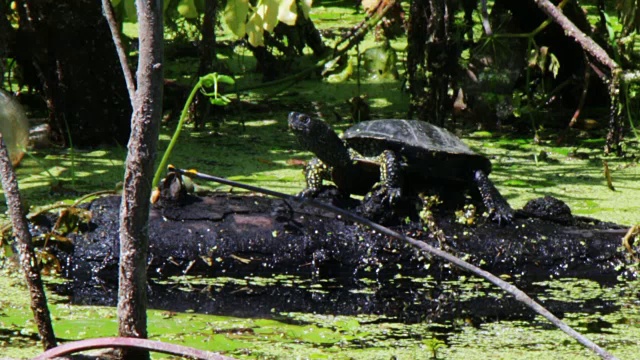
496, 205
391, 175
315, 172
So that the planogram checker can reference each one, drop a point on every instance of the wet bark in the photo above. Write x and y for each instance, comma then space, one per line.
68, 47
134, 208
28, 260
243, 235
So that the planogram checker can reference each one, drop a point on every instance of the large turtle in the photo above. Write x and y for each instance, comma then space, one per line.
400, 154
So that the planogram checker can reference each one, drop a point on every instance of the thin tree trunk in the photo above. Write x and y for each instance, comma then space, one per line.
134, 210
28, 260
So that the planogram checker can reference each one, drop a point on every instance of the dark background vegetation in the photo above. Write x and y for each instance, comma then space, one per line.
506, 68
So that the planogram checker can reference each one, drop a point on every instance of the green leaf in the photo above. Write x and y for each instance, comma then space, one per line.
226, 79
219, 342
187, 8
235, 15
554, 65
268, 11
314, 335
130, 13
219, 101
255, 31
288, 12
349, 325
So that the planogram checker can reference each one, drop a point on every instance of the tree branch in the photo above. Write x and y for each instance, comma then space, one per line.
590, 46
119, 342
122, 56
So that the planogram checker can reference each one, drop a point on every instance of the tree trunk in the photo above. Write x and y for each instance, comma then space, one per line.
68, 45
134, 210
28, 261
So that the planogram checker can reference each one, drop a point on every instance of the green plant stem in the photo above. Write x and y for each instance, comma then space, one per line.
174, 139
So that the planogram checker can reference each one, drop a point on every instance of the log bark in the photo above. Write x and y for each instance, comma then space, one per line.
243, 235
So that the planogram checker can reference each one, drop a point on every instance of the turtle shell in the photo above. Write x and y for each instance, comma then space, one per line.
426, 148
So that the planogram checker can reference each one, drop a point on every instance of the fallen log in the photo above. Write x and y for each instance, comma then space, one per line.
246, 236
228, 234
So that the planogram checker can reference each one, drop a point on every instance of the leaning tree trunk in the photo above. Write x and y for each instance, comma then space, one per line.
134, 210
431, 51
26, 253
69, 45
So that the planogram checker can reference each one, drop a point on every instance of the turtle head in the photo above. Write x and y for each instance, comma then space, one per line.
317, 136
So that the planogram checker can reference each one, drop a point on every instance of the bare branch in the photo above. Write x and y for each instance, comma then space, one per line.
119, 342
571, 30
117, 41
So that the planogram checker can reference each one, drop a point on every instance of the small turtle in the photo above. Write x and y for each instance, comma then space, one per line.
400, 154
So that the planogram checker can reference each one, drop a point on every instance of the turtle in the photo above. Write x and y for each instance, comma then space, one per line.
398, 154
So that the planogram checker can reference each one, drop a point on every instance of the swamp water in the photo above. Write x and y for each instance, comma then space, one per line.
400, 318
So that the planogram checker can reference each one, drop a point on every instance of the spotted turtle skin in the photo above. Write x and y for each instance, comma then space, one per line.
401, 155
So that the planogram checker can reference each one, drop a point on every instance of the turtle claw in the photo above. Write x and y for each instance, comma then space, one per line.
502, 216
309, 193
393, 195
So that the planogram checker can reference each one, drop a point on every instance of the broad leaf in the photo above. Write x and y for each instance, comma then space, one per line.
235, 15
255, 31
288, 12
226, 79
268, 11
187, 8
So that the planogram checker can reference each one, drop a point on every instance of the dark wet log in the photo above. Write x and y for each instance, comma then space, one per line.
246, 237
241, 235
